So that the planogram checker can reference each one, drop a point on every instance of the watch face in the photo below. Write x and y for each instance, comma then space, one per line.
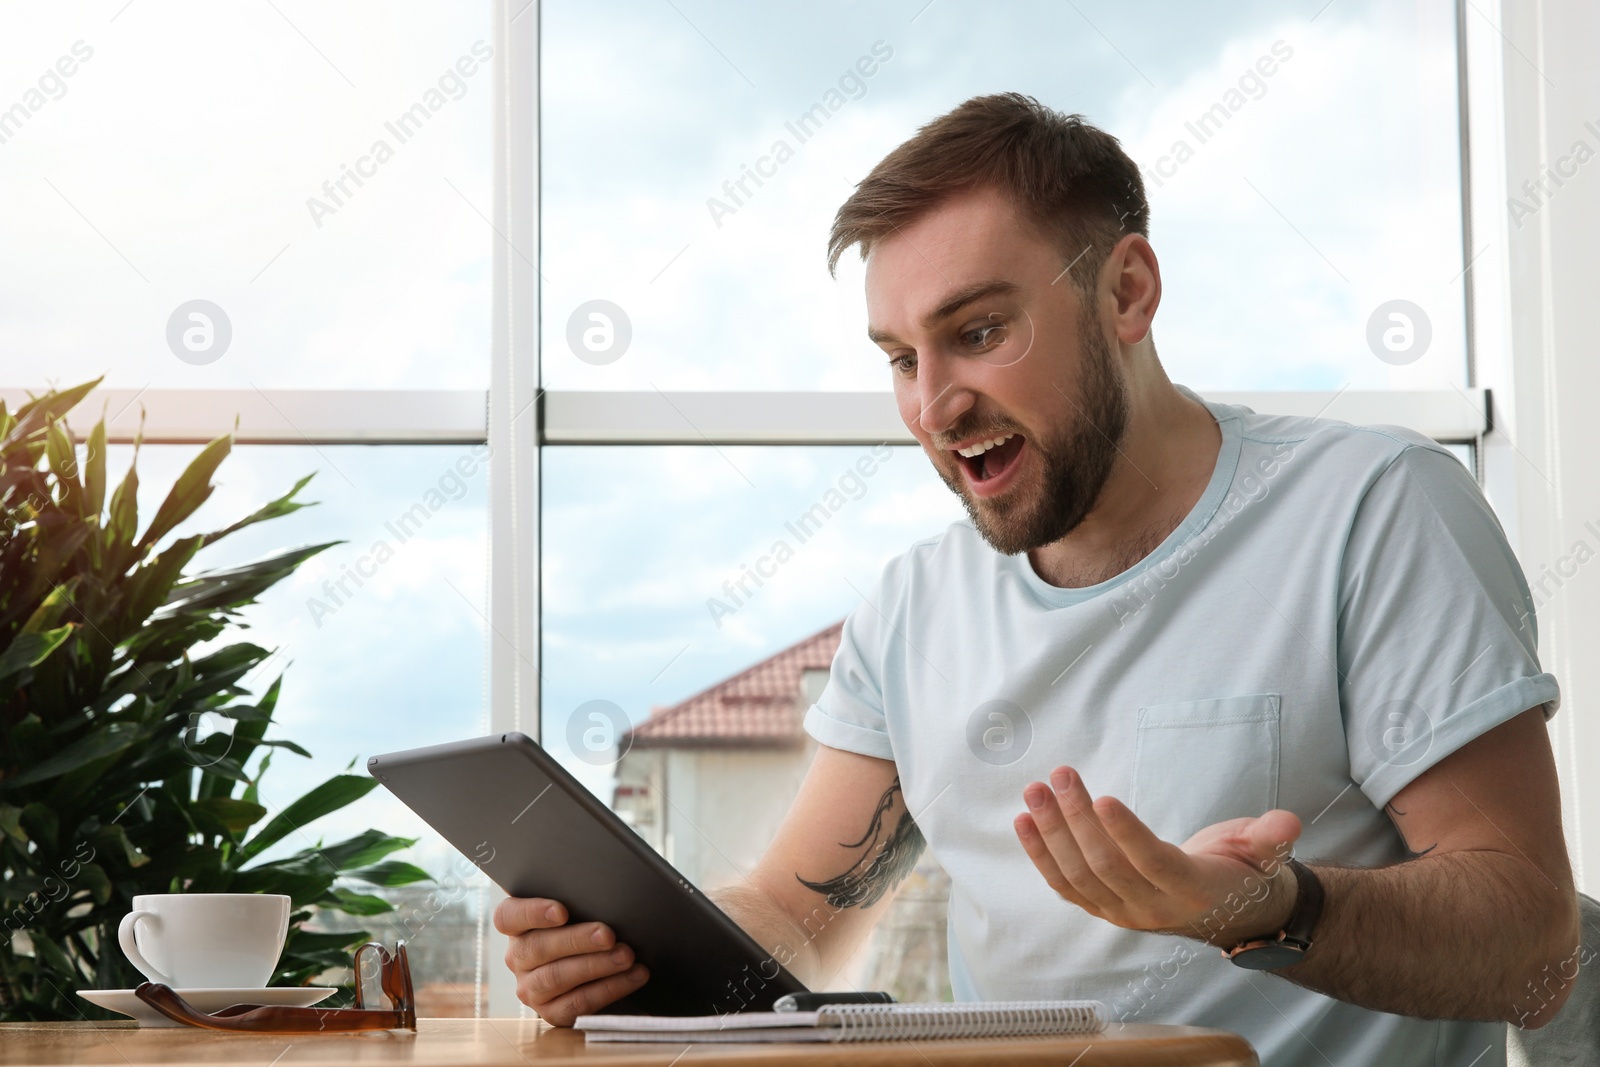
1268, 957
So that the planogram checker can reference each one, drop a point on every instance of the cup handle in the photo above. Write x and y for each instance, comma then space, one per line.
130, 947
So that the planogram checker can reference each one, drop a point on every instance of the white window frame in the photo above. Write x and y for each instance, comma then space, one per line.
1536, 338
571, 417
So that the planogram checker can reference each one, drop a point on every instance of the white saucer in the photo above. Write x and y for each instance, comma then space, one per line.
206, 1000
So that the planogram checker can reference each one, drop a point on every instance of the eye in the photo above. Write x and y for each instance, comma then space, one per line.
905, 365
986, 336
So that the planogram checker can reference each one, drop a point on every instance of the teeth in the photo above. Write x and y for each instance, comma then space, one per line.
983, 446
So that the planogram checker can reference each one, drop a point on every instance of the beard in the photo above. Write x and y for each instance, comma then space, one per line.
1072, 465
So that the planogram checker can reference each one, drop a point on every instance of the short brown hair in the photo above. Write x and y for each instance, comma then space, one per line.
1070, 178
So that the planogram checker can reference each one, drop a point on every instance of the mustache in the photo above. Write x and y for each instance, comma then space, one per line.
949, 440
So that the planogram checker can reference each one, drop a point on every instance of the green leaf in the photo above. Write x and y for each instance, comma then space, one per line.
63, 460
116, 837
309, 941
237, 815
284, 505
106, 741
237, 586
11, 823
391, 873
290, 745
43, 826
94, 472
53, 405
31, 649
149, 586
369, 846
226, 767
45, 947
52, 608
192, 489
301, 886
34, 419
125, 507
54, 557
353, 903
249, 726
330, 796
252, 792
93, 878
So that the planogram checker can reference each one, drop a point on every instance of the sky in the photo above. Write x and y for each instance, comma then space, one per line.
1333, 187
194, 153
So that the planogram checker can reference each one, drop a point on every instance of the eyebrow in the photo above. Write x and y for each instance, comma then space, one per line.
950, 305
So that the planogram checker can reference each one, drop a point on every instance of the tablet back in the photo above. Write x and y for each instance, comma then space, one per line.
537, 832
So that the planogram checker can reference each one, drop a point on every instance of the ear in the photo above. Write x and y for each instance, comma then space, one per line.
1135, 280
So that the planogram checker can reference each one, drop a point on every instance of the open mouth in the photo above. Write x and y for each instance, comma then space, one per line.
987, 460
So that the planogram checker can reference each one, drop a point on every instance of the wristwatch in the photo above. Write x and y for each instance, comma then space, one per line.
1290, 944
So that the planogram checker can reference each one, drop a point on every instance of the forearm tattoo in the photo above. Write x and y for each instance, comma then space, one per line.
1395, 815
877, 870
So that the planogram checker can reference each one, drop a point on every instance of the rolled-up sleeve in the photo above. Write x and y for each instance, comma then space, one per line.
1437, 637
849, 712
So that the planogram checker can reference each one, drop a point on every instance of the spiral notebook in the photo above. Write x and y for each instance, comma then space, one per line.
857, 1022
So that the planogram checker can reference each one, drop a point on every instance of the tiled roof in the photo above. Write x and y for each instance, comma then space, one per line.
756, 708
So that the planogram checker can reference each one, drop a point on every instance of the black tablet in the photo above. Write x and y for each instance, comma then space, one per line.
537, 832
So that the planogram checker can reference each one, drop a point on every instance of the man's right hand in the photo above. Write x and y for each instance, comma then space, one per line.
564, 971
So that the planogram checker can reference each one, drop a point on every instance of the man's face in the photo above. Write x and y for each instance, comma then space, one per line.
987, 339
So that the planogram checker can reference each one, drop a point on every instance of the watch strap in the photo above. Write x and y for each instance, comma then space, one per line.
1308, 904
1290, 944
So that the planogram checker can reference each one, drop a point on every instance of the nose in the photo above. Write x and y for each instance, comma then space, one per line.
941, 398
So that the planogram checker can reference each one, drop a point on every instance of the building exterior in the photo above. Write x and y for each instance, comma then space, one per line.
707, 781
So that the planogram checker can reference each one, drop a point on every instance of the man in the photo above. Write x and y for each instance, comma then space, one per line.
1175, 642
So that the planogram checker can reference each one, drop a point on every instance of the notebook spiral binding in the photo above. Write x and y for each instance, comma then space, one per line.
917, 1021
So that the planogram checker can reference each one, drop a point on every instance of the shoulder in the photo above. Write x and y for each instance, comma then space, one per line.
1352, 454
958, 547
960, 539
932, 567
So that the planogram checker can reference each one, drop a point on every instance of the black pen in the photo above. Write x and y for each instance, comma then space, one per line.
813, 1001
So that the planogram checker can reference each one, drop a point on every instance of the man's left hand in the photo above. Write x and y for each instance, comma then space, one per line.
1222, 885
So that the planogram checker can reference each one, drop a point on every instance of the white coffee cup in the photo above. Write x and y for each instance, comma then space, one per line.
206, 940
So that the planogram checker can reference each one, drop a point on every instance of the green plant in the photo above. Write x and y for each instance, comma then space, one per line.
108, 787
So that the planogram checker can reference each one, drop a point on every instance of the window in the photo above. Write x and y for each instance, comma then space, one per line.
318, 176
318, 181
1304, 174
376, 313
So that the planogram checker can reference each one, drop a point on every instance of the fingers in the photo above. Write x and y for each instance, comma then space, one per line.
1077, 836
1162, 864
516, 915
1273, 831
545, 983
588, 999
1045, 863
1103, 854
538, 947
1099, 855
564, 971
1058, 840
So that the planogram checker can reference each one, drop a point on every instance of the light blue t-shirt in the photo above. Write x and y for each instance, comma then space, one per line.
1339, 612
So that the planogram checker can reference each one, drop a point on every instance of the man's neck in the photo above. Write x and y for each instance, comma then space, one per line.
1164, 462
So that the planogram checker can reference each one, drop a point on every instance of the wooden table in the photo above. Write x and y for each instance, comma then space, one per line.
530, 1043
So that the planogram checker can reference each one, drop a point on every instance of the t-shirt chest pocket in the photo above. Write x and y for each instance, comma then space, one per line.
1203, 761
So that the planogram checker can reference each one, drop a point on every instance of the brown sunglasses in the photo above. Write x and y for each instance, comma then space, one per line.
394, 978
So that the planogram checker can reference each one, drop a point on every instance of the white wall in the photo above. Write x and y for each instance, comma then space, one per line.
1538, 347
725, 807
